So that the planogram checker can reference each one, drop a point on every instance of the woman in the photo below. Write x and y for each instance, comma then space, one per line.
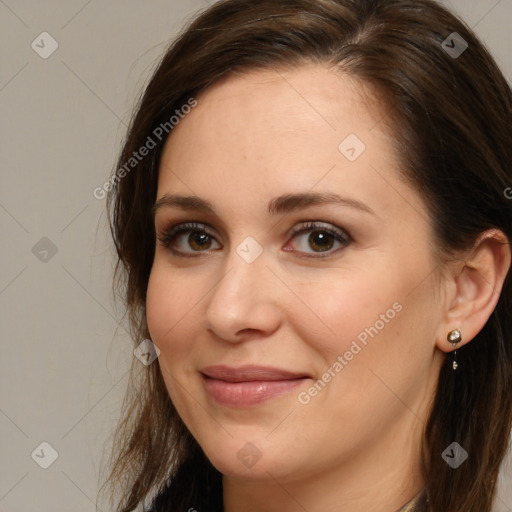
315, 234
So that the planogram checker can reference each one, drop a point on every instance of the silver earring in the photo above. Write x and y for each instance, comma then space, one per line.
454, 337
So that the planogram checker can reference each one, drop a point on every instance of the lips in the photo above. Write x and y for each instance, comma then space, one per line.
249, 373
248, 385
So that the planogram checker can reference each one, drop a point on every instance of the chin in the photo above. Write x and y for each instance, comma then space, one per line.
254, 457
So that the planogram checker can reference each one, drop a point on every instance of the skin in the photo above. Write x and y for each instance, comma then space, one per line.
355, 446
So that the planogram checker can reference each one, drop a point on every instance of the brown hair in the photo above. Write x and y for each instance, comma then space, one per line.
452, 118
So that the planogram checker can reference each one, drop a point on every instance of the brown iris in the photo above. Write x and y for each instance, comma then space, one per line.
199, 240
321, 239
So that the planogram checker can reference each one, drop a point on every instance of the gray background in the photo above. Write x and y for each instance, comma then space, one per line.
65, 355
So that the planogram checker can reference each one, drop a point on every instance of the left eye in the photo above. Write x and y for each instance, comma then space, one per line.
321, 238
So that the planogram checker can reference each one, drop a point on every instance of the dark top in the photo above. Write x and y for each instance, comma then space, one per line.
418, 504
162, 503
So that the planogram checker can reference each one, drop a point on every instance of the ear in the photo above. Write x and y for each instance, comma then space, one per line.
475, 287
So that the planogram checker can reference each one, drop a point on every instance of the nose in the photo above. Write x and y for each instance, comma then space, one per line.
245, 302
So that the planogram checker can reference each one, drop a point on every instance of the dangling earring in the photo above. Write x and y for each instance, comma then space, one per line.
454, 337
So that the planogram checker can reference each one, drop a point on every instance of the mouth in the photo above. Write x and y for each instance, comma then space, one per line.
245, 386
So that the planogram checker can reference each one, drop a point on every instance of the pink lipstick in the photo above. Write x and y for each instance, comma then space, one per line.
244, 386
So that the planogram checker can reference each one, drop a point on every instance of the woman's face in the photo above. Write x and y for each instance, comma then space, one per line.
297, 330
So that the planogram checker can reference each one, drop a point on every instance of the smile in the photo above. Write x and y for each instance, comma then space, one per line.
248, 385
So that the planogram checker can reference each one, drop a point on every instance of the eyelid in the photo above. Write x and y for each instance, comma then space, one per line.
310, 225
167, 235
339, 234
183, 226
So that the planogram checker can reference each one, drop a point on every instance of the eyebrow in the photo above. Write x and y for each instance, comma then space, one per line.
285, 203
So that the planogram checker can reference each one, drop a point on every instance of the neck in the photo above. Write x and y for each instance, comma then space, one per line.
384, 478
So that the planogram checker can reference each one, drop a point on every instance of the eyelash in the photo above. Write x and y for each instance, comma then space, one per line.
168, 235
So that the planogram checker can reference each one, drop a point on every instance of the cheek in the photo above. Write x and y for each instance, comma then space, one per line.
371, 362
375, 314
350, 307
161, 311
170, 308
170, 316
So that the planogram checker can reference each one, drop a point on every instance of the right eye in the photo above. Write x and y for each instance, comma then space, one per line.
199, 239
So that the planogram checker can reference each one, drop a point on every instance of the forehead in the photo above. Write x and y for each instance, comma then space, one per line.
267, 132
270, 106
